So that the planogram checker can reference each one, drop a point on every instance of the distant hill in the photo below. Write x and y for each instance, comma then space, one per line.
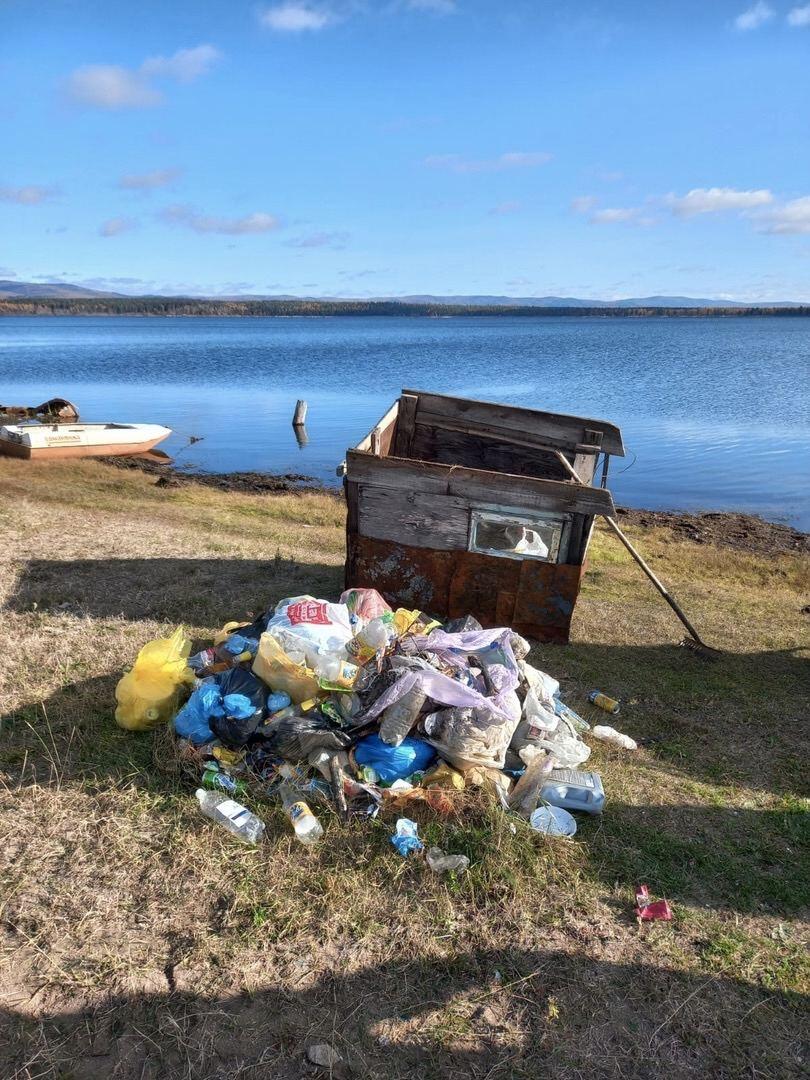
576, 302
29, 290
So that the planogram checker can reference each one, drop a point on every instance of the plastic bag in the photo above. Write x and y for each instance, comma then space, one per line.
193, 722
364, 605
244, 700
296, 737
405, 839
394, 762
465, 737
147, 695
280, 672
322, 627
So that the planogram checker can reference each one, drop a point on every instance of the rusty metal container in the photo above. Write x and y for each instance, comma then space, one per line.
458, 506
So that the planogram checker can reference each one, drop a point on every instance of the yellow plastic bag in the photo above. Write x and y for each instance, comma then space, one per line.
148, 694
274, 667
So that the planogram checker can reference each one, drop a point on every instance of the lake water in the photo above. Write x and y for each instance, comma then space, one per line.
715, 412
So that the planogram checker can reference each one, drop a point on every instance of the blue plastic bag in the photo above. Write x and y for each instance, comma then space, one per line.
394, 762
405, 839
193, 720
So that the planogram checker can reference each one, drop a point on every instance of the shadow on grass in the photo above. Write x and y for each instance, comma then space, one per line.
552, 1014
205, 592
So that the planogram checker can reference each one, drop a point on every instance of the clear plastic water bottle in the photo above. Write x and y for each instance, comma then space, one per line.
398, 719
234, 817
307, 827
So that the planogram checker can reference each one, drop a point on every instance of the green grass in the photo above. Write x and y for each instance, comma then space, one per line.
531, 964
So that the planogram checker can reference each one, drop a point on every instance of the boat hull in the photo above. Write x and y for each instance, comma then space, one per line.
76, 450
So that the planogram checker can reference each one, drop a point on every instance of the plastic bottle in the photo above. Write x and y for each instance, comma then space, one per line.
523, 797
307, 827
334, 673
234, 817
614, 737
216, 780
398, 719
609, 704
574, 790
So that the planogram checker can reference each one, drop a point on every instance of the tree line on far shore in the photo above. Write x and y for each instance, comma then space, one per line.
187, 306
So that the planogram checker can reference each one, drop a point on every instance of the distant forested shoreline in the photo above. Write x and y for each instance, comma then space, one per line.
189, 307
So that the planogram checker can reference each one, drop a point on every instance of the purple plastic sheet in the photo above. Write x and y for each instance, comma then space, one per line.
453, 649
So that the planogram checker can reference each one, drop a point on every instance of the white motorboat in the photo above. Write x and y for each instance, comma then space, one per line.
52, 441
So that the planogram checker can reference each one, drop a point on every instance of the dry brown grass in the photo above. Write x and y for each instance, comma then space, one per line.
140, 942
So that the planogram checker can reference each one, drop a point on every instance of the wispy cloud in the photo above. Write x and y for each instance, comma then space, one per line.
582, 204
149, 181
754, 17
294, 18
515, 159
112, 86
335, 240
790, 219
249, 224
28, 194
799, 16
510, 206
115, 226
440, 7
621, 215
716, 200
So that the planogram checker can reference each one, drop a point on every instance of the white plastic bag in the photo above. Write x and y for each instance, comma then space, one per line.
316, 626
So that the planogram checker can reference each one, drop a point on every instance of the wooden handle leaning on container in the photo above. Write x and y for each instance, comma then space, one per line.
670, 599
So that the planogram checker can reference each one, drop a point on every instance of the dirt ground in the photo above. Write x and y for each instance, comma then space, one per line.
137, 942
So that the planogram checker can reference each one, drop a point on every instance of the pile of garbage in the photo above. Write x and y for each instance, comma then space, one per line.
351, 705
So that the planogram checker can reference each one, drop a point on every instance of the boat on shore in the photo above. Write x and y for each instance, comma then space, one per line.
54, 441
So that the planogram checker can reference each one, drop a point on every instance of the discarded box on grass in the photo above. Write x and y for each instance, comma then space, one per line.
458, 506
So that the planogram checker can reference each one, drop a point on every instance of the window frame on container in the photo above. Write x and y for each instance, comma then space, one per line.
502, 515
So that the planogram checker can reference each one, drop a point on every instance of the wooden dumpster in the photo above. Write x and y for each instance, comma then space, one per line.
458, 506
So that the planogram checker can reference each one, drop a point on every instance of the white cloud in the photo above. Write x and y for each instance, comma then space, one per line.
716, 200
336, 240
799, 16
115, 226
513, 160
111, 86
184, 66
28, 195
148, 181
621, 215
257, 222
755, 16
583, 204
440, 7
790, 219
293, 18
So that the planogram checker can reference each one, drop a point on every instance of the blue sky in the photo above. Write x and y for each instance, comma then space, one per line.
387, 147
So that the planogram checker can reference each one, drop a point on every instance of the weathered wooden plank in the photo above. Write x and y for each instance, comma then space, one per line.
584, 466
476, 450
384, 429
557, 429
405, 423
417, 518
478, 485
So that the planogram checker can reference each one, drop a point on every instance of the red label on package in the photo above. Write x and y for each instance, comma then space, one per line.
308, 611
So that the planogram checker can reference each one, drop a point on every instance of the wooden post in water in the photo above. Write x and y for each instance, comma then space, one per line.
299, 423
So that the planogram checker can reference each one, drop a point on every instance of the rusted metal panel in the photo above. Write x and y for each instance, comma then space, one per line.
534, 598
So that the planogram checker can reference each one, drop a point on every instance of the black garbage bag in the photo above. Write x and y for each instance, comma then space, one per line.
296, 737
236, 730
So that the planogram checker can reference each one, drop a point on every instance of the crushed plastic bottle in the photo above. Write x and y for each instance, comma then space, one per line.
234, 817
614, 737
398, 719
307, 827
440, 863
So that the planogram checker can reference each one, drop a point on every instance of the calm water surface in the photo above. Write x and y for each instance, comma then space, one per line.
715, 412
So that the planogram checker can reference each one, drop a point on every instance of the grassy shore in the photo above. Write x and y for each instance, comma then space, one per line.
139, 942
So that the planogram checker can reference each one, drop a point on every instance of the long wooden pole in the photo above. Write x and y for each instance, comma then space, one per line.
614, 525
